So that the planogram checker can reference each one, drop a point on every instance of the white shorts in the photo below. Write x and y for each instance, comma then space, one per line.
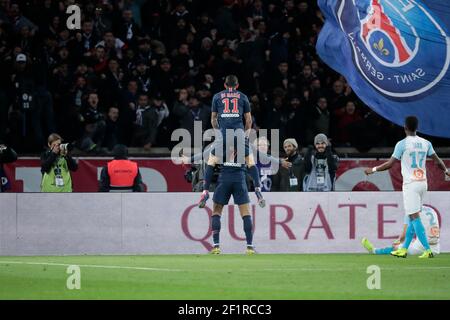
416, 248
413, 194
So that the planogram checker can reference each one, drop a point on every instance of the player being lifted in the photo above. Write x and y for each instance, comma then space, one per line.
430, 221
412, 151
229, 109
232, 181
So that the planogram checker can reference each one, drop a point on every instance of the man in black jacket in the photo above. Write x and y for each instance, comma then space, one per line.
146, 124
94, 124
320, 166
7, 155
291, 172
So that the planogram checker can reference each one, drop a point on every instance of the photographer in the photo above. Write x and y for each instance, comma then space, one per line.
56, 165
195, 175
7, 155
320, 166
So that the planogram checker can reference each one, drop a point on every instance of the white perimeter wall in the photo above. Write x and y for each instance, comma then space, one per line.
170, 223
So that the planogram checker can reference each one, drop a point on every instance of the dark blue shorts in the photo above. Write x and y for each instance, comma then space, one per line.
224, 190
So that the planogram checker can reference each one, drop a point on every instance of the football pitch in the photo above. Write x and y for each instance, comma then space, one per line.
191, 277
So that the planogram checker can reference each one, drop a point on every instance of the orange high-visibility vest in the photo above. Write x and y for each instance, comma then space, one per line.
122, 173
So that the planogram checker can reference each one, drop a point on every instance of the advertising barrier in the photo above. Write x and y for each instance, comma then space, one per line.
171, 223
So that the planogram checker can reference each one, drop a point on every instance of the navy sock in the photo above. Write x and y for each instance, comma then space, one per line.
248, 229
420, 232
209, 171
215, 226
253, 172
409, 235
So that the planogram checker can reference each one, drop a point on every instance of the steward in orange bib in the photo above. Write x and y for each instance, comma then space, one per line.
121, 174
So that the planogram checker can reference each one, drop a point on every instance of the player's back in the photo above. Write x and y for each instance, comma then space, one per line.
430, 221
232, 172
230, 105
413, 152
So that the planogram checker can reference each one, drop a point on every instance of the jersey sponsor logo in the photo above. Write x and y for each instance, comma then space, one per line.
230, 115
419, 174
399, 46
232, 164
434, 231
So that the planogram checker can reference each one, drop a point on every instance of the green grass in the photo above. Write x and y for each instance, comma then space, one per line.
263, 276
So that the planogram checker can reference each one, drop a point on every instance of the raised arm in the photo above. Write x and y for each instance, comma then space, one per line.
385, 166
264, 157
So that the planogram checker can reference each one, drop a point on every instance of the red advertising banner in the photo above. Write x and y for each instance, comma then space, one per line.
163, 175
157, 175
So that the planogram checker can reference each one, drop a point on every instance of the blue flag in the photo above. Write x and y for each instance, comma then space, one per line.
395, 54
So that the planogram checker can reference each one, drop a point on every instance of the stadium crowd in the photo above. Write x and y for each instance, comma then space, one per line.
137, 70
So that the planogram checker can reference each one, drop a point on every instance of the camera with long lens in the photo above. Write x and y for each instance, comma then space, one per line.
189, 174
65, 147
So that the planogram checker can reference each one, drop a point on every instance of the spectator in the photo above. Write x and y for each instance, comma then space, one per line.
296, 123
127, 29
94, 125
144, 53
290, 175
226, 25
121, 174
31, 105
112, 83
85, 40
319, 119
320, 166
281, 78
127, 109
146, 124
18, 20
161, 109
113, 46
338, 98
7, 155
56, 164
193, 112
204, 95
112, 133
164, 80
348, 122
277, 116
142, 77
204, 26
102, 20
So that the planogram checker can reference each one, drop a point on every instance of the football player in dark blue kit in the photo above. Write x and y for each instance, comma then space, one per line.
232, 182
230, 109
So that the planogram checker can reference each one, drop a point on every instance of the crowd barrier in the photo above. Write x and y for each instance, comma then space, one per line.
171, 223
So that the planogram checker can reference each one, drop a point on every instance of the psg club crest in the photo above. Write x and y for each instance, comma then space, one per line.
399, 46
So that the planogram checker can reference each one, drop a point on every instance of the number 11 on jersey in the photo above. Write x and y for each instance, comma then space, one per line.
226, 103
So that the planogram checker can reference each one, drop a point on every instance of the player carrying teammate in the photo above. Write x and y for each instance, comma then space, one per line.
412, 151
229, 109
232, 181
431, 223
